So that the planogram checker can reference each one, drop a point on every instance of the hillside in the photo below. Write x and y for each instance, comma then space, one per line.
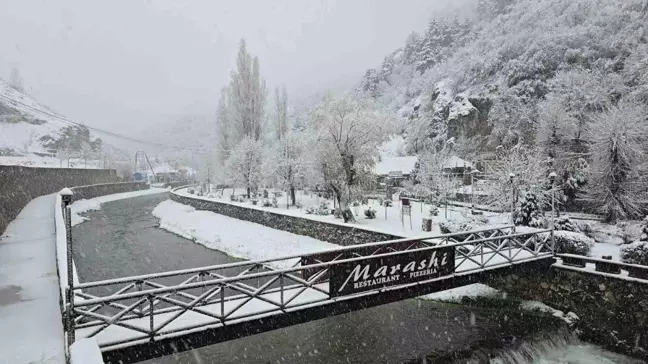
32, 134
501, 78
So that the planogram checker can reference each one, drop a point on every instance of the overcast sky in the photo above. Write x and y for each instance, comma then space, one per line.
117, 64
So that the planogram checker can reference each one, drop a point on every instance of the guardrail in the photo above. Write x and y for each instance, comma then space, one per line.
131, 310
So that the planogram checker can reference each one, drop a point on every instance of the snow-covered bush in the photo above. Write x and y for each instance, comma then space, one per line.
565, 224
322, 209
298, 205
370, 213
528, 214
454, 226
569, 242
387, 203
635, 253
434, 210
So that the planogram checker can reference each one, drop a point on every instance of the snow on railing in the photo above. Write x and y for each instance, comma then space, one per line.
61, 251
604, 266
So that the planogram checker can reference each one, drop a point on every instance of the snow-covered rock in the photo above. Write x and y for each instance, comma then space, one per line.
30, 129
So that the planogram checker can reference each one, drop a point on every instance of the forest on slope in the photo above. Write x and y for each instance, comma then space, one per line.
566, 80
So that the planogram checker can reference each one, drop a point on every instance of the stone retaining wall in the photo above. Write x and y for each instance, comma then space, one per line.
332, 233
613, 312
92, 191
19, 185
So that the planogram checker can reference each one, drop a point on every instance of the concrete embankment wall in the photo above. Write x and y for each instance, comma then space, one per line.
19, 185
92, 191
613, 311
330, 232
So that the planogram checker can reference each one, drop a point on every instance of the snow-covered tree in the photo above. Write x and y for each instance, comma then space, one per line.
435, 180
618, 138
349, 131
430, 50
225, 130
289, 161
529, 171
412, 48
281, 113
244, 165
370, 83
529, 213
16, 81
248, 94
386, 69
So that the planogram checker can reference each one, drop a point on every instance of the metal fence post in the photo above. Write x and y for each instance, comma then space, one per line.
281, 284
151, 322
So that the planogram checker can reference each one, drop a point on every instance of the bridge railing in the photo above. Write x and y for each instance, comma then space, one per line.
153, 306
605, 266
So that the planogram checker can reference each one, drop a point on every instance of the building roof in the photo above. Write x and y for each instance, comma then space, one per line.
456, 162
405, 165
395, 164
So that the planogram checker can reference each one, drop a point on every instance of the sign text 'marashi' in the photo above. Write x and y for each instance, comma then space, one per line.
404, 268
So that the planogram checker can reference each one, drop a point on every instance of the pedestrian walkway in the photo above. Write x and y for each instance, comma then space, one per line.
31, 327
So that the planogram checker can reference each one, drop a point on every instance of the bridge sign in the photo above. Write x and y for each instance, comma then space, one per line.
374, 273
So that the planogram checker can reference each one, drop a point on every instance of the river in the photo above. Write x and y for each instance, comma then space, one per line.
122, 239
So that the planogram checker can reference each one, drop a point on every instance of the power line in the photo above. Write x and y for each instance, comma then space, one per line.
115, 135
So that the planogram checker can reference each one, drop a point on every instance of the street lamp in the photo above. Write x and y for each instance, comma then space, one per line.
66, 198
511, 178
552, 179
472, 189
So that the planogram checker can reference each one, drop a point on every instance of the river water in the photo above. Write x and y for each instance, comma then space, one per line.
122, 239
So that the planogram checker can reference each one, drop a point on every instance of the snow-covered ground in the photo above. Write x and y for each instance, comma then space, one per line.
388, 219
31, 329
81, 206
455, 295
608, 237
238, 238
85, 351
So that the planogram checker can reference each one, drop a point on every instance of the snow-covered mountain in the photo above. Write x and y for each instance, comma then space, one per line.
32, 134
497, 79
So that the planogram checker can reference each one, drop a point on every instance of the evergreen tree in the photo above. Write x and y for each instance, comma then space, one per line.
386, 69
412, 48
528, 214
370, 83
